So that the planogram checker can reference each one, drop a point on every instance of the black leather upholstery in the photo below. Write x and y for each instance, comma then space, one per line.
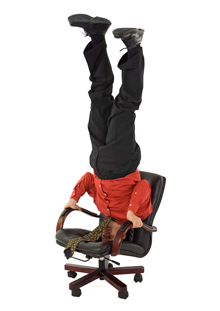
137, 242
94, 249
157, 183
141, 236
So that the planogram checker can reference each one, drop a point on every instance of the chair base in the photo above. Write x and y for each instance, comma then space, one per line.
104, 272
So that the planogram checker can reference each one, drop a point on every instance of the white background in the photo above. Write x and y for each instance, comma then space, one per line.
45, 149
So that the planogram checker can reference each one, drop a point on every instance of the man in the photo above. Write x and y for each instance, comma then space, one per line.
115, 185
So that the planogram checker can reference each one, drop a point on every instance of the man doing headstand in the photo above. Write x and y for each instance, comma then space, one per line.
115, 186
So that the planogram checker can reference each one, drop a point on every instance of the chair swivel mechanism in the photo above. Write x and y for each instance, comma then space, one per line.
136, 244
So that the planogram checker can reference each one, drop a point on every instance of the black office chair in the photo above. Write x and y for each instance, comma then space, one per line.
136, 244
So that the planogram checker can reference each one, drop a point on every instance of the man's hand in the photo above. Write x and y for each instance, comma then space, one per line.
137, 222
72, 203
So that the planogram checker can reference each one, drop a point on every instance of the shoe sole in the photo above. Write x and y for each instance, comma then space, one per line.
124, 32
79, 20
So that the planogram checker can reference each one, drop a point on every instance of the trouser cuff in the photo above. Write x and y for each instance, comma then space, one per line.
124, 63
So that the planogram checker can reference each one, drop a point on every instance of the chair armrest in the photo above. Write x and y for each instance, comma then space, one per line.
67, 211
149, 228
116, 244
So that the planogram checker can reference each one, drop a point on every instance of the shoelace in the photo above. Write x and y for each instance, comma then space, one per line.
85, 33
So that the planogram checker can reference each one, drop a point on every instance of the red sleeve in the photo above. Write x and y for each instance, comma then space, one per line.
85, 184
140, 194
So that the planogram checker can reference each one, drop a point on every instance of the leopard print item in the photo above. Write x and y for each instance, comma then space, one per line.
92, 236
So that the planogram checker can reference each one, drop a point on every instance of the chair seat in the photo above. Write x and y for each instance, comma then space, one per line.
98, 248
94, 249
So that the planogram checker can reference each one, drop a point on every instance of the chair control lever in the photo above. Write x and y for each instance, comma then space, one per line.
117, 263
88, 258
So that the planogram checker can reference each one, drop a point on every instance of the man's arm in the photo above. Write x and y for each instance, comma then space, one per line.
140, 194
85, 184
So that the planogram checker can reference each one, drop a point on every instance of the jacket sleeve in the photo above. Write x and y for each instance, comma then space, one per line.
85, 184
141, 193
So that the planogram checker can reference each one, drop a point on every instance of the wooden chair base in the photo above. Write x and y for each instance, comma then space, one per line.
103, 272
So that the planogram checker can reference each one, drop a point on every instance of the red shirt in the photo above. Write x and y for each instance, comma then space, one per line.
114, 197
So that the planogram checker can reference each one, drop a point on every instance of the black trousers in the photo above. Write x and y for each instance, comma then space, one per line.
115, 152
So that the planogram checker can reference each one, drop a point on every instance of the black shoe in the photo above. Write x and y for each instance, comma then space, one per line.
91, 25
130, 36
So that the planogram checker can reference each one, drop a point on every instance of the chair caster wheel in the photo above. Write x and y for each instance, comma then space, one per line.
77, 292
138, 277
123, 295
110, 265
71, 274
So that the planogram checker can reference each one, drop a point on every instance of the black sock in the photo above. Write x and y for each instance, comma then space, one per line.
134, 51
96, 39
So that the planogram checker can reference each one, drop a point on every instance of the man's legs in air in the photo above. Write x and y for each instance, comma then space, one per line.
102, 78
115, 152
121, 154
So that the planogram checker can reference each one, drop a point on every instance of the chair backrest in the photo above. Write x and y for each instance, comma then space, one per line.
157, 183
141, 236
